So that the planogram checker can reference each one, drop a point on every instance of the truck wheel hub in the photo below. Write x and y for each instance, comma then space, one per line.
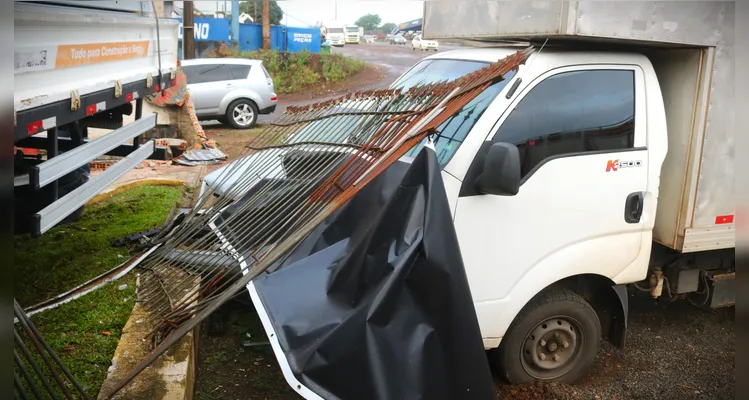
551, 348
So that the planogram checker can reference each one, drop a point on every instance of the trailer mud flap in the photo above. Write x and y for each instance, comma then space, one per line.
375, 303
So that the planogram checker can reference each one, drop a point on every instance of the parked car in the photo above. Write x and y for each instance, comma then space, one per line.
233, 91
422, 44
398, 39
369, 39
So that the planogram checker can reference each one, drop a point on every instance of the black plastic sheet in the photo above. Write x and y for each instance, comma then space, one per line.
375, 303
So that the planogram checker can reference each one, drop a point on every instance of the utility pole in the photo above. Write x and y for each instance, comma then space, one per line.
188, 31
235, 22
336, 11
266, 24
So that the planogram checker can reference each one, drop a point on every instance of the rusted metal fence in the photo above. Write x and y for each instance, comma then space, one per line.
318, 158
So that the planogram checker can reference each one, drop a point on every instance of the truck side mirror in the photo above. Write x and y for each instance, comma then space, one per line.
501, 174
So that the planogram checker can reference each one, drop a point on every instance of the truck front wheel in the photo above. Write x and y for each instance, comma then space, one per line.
554, 338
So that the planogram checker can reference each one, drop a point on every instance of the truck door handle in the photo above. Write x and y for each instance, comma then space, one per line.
633, 207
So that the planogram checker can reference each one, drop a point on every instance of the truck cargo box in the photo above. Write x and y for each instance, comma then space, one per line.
691, 46
88, 62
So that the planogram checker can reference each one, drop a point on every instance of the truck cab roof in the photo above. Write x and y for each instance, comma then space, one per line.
493, 54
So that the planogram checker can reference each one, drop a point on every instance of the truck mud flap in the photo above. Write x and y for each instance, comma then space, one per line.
375, 303
64, 206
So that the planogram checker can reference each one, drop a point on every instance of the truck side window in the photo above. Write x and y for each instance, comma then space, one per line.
572, 113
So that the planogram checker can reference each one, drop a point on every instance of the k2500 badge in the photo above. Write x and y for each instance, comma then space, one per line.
614, 165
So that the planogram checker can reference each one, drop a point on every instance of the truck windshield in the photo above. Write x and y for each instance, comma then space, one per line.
352, 29
335, 30
452, 132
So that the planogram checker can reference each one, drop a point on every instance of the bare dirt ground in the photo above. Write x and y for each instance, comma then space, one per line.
674, 350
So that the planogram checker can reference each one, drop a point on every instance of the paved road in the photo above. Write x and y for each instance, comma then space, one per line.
394, 60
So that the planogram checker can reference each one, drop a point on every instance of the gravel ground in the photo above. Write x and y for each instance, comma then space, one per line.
674, 351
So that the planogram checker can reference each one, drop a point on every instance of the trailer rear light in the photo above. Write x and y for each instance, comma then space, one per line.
41, 125
95, 108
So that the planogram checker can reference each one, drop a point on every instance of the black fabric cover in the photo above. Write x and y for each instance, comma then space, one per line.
375, 303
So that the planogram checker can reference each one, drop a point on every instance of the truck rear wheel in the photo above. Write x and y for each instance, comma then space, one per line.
554, 338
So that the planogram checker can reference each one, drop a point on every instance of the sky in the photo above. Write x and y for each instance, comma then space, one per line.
302, 13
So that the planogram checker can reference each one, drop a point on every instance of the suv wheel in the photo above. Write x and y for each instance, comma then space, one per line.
242, 114
554, 338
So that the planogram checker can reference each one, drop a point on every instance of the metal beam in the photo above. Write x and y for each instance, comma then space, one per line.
57, 211
57, 167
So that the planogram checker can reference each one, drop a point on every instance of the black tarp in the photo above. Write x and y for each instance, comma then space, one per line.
375, 303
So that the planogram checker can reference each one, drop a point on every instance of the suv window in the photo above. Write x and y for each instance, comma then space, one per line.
206, 73
571, 113
239, 71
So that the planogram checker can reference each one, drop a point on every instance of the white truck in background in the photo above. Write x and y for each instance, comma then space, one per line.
81, 64
603, 165
335, 33
352, 34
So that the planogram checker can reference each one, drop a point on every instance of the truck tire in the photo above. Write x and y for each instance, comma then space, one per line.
242, 114
554, 338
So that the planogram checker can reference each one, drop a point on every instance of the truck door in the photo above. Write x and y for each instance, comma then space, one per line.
581, 135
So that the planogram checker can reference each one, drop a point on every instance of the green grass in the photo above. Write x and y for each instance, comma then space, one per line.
84, 332
292, 72
74, 253
71, 254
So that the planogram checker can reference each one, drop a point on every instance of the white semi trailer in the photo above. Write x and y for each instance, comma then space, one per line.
611, 152
80, 64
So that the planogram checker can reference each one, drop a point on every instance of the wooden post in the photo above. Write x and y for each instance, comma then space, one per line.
266, 24
188, 31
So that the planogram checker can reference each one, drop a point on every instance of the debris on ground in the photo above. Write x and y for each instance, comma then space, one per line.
201, 156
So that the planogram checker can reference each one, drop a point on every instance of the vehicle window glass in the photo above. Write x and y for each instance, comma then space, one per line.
453, 132
207, 73
239, 71
572, 112
192, 72
265, 71
429, 71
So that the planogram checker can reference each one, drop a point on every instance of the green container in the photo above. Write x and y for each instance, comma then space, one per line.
325, 48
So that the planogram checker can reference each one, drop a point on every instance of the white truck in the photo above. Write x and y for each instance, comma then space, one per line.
611, 155
81, 64
352, 34
335, 33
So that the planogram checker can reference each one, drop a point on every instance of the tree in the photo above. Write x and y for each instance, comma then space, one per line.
387, 27
369, 22
256, 11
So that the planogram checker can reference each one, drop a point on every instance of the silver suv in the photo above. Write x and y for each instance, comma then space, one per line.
231, 90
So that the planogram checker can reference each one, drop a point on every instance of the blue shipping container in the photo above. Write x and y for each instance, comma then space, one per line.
299, 39
282, 38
